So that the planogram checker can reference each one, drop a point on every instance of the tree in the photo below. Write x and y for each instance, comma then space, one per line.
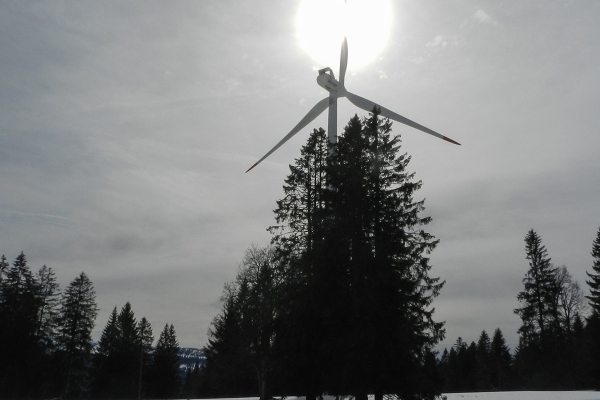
3, 267
259, 284
228, 372
592, 328
303, 216
105, 362
483, 362
500, 377
145, 350
77, 318
19, 345
538, 296
123, 354
165, 365
48, 312
594, 282
570, 300
379, 251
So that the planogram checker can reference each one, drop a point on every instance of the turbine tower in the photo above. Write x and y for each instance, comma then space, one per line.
336, 89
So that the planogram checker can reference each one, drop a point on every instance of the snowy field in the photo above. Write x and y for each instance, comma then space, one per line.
578, 395
529, 395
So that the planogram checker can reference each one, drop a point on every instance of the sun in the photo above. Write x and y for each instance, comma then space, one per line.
321, 25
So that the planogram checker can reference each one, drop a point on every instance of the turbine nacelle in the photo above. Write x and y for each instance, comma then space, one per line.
327, 80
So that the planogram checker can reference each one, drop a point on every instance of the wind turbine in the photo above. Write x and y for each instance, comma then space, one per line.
336, 89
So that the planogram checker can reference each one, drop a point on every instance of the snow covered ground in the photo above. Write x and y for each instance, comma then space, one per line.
578, 395
529, 395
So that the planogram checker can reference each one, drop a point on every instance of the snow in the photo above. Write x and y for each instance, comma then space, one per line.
529, 395
525, 395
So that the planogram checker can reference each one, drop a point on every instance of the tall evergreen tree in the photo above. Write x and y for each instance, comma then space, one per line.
228, 372
19, 346
537, 297
145, 350
48, 313
379, 243
77, 318
483, 369
128, 352
105, 362
542, 340
594, 282
165, 367
592, 329
299, 238
500, 377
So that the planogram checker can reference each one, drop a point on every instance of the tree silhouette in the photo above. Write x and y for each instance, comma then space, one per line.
77, 318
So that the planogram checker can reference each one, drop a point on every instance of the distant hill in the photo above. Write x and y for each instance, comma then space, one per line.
189, 356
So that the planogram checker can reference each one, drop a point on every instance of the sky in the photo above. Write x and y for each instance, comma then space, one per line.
126, 129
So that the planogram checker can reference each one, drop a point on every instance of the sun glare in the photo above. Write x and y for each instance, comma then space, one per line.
321, 25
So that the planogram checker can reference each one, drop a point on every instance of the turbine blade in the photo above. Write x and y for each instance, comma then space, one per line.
368, 105
343, 60
312, 114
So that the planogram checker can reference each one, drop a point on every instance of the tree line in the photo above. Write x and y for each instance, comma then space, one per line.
559, 338
47, 350
340, 302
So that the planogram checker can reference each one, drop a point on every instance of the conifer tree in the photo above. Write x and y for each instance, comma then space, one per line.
537, 298
592, 329
356, 258
594, 282
483, 369
105, 361
145, 350
48, 313
19, 347
77, 318
299, 238
228, 370
165, 366
500, 377
380, 248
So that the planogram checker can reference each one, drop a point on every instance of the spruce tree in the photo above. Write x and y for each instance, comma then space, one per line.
537, 298
165, 366
592, 329
145, 351
77, 318
105, 361
128, 351
19, 345
228, 371
302, 218
594, 282
48, 313
500, 377
483, 370
379, 251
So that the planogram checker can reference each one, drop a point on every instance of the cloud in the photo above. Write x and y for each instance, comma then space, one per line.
483, 18
438, 41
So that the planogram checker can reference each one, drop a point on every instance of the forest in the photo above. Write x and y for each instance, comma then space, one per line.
47, 350
341, 302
